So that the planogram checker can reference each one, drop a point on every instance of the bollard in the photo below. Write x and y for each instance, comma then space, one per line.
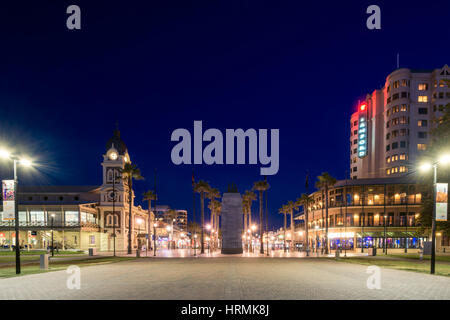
44, 261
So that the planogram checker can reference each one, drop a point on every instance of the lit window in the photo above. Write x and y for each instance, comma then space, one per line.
421, 146
423, 99
388, 171
423, 86
422, 123
403, 156
402, 169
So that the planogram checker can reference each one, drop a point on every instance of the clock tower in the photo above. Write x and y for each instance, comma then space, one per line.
114, 193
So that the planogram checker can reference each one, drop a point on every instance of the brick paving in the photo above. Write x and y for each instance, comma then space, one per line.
227, 278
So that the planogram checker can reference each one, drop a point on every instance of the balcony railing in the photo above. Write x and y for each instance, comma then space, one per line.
57, 224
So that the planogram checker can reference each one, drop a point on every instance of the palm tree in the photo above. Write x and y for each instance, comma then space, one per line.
261, 186
202, 188
214, 207
130, 172
324, 182
291, 206
304, 201
149, 196
247, 200
212, 195
284, 211
171, 214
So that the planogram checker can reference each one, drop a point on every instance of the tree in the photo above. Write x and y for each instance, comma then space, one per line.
284, 210
291, 206
325, 181
149, 196
130, 172
212, 195
202, 188
247, 200
214, 206
171, 215
261, 186
304, 201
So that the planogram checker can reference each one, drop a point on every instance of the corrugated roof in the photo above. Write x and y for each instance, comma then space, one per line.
58, 189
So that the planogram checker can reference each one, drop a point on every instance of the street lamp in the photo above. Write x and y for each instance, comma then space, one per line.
195, 244
52, 219
27, 163
154, 238
425, 167
139, 223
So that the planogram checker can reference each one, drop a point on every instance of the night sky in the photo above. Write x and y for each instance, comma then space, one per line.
155, 66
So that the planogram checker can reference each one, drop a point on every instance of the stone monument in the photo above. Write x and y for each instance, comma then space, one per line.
231, 223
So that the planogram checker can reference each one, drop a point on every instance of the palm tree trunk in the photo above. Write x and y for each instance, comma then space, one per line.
292, 230
202, 209
284, 230
130, 194
261, 244
149, 240
326, 219
306, 229
245, 222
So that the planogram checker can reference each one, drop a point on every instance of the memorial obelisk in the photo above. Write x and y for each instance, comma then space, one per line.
231, 222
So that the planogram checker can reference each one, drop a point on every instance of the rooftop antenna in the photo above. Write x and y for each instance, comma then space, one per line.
398, 60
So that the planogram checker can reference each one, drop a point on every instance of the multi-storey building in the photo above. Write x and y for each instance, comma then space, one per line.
81, 217
391, 128
372, 213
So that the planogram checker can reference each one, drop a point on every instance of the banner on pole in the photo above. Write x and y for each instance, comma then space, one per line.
441, 201
8, 200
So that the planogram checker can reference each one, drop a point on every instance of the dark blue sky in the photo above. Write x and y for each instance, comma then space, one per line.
155, 66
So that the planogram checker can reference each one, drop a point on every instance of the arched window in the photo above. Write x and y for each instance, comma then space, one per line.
109, 175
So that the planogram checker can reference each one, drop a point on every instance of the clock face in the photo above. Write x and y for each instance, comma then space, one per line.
111, 195
113, 155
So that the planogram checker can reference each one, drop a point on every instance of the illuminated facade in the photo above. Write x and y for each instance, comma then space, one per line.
391, 128
81, 217
366, 211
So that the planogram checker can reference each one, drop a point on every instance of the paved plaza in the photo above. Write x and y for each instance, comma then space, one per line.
227, 278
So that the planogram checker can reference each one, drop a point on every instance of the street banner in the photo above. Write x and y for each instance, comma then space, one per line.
8, 200
441, 201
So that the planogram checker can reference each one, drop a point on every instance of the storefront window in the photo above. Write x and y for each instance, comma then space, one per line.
71, 217
37, 216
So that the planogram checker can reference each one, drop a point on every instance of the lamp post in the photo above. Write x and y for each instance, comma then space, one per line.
168, 228
25, 162
114, 212
154, 238
52, 219
195, 244
425, 167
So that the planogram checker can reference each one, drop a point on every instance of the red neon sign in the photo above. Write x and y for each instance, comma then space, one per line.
362, 107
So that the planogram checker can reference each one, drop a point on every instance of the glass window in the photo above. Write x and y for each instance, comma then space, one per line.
71, 217
421, 146
37, 216
422, 99
423, 86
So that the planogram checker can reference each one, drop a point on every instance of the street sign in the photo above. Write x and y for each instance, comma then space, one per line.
8, 200
441, 201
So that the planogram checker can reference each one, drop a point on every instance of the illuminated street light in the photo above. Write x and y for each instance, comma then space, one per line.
25, 162
444, 159
4, 154
425, 166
